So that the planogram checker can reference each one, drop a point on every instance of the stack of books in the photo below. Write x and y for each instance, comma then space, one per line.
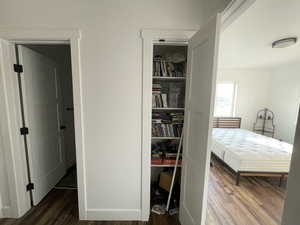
164, 153
177, 117
164, 68
159, 99
168, 117
156, 158
166, 130
157, 153
167, 124
161, 117
170, 158
156, 89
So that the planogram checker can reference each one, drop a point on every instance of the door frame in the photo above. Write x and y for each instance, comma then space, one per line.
149, 38
14, 151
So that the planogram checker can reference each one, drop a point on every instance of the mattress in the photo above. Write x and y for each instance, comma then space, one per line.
244, 150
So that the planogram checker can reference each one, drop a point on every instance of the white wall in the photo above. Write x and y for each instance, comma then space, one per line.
252, 92
284, 99
5, 203
4, 191
276, 88
111, 67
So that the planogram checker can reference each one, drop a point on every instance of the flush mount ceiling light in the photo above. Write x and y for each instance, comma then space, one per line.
285, 42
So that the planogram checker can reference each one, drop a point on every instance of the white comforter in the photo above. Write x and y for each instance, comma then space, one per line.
249, 145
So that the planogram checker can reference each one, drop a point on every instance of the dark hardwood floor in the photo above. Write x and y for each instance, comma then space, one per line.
255, 202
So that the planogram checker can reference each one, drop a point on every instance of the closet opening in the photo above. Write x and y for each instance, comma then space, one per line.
168, 107
46, 102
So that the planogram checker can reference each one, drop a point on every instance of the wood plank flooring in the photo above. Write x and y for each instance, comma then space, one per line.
257, 201
254, 202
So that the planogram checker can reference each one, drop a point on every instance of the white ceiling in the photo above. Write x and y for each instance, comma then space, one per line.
246, 43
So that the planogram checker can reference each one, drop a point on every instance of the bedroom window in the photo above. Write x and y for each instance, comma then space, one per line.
225, 99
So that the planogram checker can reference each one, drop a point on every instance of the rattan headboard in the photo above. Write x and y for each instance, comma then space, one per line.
227, 122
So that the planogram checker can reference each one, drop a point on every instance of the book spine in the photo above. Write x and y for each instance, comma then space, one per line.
164, 100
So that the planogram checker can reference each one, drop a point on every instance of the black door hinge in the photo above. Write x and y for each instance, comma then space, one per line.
29, 186
18, 68
24, 130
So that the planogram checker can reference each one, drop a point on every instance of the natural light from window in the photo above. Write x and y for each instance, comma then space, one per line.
225, 98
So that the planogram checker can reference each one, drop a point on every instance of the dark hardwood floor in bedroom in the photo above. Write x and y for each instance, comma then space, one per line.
254, 202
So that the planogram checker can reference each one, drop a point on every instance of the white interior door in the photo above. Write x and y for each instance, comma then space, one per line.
202, 60
40, 91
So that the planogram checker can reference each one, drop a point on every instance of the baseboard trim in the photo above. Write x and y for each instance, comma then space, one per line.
113, 214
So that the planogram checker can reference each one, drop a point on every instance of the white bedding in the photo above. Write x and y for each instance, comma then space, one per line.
244, 150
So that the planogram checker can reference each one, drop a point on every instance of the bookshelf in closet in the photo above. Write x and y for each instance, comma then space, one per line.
168, 95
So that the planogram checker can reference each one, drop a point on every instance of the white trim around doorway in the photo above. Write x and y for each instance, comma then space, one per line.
10, 112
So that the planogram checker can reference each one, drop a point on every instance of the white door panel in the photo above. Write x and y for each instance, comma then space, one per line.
202, 59
42, 116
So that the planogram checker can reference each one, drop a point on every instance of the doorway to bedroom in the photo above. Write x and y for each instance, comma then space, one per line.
256, 113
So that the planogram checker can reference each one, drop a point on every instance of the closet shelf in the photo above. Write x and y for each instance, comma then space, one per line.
165, 138
164, 165
168, 78
168, 109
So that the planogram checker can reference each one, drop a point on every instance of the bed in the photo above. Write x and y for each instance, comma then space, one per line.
248, 153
